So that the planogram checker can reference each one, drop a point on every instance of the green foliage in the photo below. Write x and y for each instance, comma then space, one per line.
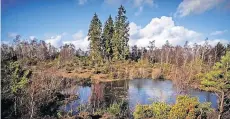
143, 112
121, 36
185, 108
204, 109
94, 34
20, 77
160, 110
218, 79
99, 112
107, 38
157, 110
114, 109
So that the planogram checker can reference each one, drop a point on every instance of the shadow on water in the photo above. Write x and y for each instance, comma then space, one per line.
132, 92
51, 107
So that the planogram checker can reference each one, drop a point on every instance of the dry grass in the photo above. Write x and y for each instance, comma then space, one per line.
107, 72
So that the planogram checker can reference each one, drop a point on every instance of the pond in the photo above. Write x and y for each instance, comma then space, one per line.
136, 91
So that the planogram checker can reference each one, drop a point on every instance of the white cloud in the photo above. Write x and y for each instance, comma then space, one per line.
78, 35
32, 37
82, 2
55, 41
12, 35
215, 41
139, 3
218, 32
187, 7
5, 42
78, 39
79, 43
133, 28
161, 30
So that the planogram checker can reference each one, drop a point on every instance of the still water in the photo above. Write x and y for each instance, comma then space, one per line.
137, 91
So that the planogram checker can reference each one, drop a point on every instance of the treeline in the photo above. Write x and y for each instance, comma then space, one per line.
111, 44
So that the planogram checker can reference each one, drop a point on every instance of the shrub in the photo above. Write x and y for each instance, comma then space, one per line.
184, 108
160, 110
143, 112
204, 109
114, 109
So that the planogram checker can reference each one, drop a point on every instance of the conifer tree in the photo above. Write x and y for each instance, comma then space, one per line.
94, 36
107, 39
218, 80
121, 35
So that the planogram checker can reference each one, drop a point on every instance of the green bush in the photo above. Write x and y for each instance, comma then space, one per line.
160, 110
143, 112
184, 108
114, 109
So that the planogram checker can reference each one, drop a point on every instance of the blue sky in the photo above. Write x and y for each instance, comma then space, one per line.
67, 21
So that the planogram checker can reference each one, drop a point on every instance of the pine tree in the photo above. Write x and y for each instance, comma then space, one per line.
107, 38
218, 79
121, 36
94, 36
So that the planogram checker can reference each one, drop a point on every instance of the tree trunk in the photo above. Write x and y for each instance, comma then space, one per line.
15, 106
221, 105
32, 105
161, 59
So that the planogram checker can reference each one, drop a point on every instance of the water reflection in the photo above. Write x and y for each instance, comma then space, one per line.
137, 91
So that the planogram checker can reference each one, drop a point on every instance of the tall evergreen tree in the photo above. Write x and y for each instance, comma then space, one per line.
121, 35
107, 38
94, 36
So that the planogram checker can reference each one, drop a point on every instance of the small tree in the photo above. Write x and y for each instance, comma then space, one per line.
218, 80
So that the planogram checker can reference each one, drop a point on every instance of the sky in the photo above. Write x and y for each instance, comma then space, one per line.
67, 21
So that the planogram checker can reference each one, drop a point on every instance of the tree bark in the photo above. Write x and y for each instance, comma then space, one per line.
221, 105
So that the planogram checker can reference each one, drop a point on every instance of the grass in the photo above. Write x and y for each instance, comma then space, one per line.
107, 72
